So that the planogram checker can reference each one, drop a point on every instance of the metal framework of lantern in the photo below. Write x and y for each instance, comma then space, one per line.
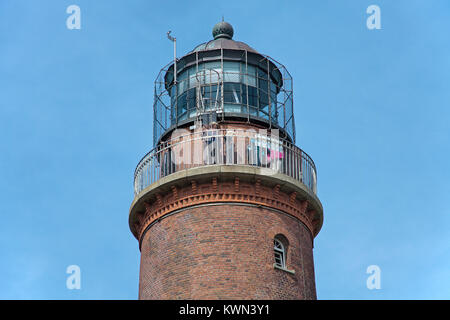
223, 84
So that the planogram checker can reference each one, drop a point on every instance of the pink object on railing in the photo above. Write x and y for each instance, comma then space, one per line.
273, 154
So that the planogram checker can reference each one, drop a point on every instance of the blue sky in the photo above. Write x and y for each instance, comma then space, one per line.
371, 107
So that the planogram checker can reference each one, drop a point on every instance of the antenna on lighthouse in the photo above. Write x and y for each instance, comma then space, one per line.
174, 40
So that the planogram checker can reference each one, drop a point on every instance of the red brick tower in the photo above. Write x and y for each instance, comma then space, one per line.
225, 204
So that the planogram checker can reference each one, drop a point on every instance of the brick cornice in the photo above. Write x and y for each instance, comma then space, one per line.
224, 192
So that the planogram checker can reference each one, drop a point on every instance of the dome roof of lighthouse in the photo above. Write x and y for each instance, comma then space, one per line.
223, 30
223, 39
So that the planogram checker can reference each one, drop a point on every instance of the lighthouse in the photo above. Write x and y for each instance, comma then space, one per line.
225, 204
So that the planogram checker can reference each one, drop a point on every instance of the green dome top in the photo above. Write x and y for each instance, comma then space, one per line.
223, 30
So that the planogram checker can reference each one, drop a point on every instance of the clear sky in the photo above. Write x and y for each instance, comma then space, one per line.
372, 109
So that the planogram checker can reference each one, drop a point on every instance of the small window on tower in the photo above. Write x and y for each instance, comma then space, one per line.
280, 253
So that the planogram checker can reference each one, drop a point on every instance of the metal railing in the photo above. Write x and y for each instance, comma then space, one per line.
225, 147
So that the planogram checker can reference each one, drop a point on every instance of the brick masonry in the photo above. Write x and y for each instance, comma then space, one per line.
225, 251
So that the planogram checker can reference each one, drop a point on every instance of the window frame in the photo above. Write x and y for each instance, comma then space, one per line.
281, 251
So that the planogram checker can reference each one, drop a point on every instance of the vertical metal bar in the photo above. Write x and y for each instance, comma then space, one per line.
301, 166
246, 80
292, 107
268, 94
196, 85
292, 161
175, 78
258, 102
223, 80
284, 102
294, 164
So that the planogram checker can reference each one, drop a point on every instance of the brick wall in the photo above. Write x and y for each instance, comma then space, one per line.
225, 251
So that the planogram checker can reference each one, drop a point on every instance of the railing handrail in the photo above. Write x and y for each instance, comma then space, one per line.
281, 155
